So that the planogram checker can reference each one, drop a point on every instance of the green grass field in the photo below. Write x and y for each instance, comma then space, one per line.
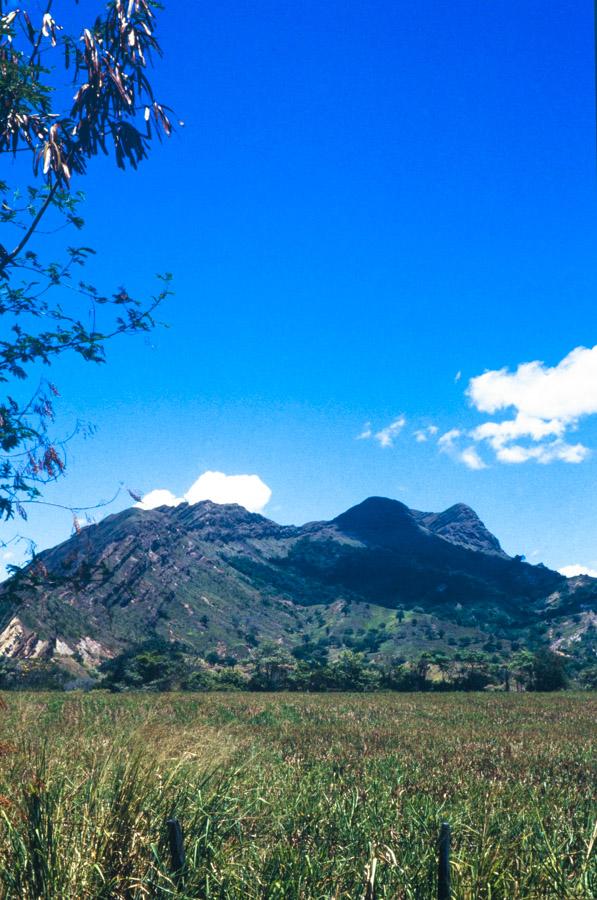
294, 796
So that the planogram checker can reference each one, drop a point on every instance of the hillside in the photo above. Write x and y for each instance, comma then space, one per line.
380, 578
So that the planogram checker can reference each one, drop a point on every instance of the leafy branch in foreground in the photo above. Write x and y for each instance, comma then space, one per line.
47, 309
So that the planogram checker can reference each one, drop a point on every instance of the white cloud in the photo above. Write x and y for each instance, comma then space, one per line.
470, 457
423, 434
447, 440
576, 569
450, 443
547, 403
565, 392
388, 435
246, 490
159, 497
498, 434
543, 453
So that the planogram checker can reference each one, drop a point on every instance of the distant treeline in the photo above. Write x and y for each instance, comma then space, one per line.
161, 666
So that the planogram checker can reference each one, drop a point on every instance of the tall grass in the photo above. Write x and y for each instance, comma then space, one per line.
296, 796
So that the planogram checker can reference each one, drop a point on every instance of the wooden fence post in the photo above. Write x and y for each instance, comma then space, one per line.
176, 844
443, 869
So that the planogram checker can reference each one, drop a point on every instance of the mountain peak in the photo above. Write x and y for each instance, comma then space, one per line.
377, 506
461, 525
377, 520
460, 510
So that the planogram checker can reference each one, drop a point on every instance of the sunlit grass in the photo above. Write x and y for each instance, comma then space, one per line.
295, 796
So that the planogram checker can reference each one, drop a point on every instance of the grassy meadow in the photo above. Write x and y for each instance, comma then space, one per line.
296, 796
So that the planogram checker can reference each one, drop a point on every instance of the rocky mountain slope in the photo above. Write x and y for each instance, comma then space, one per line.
379, 578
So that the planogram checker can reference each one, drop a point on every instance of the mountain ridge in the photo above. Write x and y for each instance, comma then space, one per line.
219, 579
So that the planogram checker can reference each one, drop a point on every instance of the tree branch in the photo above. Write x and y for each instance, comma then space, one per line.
9, 257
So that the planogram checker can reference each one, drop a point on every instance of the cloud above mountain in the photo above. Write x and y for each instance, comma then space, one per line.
452, 443
563, 392
576, 569
385, 437
246, 490
159, 497
545, 404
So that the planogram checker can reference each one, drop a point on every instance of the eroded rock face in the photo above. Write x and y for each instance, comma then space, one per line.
92, 652
17, 642
61, 648
576, 630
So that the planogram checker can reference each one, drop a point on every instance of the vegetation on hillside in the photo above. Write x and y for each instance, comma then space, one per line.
160, 666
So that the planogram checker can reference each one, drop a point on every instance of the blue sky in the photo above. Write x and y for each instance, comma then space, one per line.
369, 205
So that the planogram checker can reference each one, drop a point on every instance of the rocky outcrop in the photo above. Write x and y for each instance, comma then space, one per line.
18, 642
461, 526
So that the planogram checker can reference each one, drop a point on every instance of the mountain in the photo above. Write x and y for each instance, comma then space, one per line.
380, 578
461, 525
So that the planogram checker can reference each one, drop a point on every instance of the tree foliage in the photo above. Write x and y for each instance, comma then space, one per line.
153, 664
162, 665
52, 132
543, 670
